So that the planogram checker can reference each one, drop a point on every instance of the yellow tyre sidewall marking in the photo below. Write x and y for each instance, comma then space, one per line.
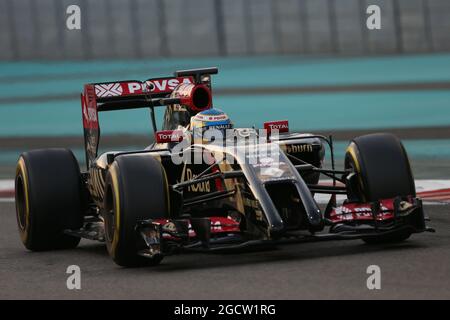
115, 184
22, 169
351, 150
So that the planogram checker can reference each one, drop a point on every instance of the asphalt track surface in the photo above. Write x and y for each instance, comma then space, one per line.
418, 268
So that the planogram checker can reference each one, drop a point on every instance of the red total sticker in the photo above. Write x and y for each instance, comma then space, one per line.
281, 126
167, 136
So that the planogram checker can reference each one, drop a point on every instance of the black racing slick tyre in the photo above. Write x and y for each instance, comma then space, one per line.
48, 199
382, 171
395, 237
136, 189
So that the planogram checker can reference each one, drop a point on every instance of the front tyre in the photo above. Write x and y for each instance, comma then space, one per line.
48, 199
382, 171
395, 237
136, 189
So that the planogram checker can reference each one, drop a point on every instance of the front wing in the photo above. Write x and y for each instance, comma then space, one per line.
348, 221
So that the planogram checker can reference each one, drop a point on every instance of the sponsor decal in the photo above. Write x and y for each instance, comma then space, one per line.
105, 90
281, 126
205, 117
206, 130
218, 225
167, 136
299, 148
166, 85
89, 113
221, 126
136, 88
363, 211
199, 187
116, 89
89, 108
108, 90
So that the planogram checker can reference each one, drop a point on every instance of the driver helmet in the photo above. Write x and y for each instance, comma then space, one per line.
211, 119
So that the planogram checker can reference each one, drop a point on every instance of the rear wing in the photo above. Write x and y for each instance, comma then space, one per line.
132, 94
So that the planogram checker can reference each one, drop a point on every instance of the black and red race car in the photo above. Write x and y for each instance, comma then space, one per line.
145, 205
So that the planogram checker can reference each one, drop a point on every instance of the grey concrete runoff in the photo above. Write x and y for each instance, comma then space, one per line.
415, 269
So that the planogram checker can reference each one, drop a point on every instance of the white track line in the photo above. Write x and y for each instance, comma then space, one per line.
6, 185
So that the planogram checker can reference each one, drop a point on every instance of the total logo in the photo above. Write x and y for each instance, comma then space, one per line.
281, 126
167, 136
278, 126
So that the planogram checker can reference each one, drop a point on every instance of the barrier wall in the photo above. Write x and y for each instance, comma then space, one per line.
36, 29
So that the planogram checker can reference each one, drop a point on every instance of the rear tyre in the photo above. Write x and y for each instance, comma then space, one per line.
382, 171
136, 189
48, 199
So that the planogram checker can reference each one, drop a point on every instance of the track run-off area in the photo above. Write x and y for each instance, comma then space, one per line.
417, 268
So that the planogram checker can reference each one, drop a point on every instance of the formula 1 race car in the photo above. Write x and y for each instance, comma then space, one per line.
235, 194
